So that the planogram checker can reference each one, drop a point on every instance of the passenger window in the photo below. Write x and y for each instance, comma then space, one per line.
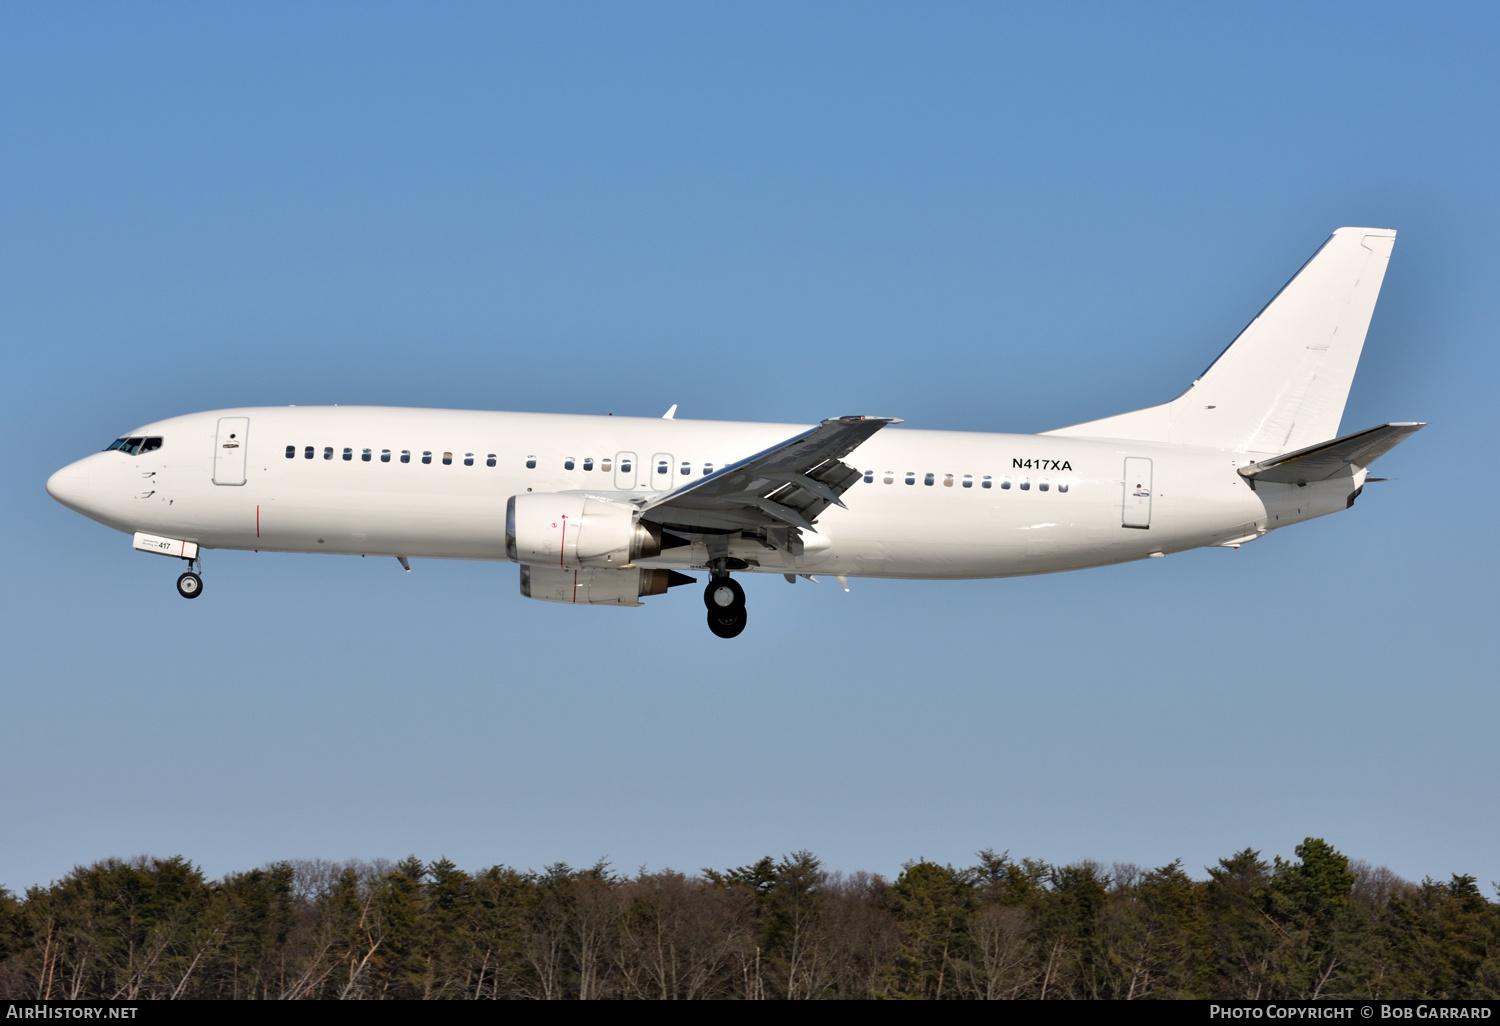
708, 468
489, 461
307, 453
468, 459
986, 482
890, 477
365, 455
686, 470
928, 479
348, 454
624, 466
426, 456
385, 455
405, 455
968, 480
869, 477
568, 463
1025, 484
291, 452
447, 459
328, 452
1005, 484
1062, 486
604, 465
947, 480
911, 477
588, 463
661, 466
531, 463
1042, 485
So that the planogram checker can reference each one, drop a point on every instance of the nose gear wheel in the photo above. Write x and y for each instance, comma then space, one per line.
190, 585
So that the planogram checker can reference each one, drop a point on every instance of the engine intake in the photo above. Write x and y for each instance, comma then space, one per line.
574, 531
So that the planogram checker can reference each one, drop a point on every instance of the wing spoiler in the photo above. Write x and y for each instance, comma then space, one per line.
1329, 459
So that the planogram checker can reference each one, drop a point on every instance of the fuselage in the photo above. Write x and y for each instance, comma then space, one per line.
435, 484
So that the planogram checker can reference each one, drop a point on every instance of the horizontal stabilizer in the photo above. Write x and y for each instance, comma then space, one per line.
1329, 459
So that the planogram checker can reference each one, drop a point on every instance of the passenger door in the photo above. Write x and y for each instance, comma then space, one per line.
230, 450
1136, 511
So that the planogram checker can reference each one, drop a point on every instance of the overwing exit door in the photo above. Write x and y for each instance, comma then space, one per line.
661, 472
1137, 508
625, 471
229, 450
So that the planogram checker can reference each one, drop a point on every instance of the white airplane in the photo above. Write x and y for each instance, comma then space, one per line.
608, 510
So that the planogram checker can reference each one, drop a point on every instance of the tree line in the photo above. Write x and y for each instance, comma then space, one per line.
1316, 926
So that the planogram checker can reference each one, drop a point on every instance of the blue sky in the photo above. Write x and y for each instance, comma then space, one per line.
972, 216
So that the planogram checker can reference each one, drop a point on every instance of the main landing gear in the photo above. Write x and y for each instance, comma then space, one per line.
725, 600
190, 584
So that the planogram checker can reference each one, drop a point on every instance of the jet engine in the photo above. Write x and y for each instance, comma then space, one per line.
575, 531
597, 587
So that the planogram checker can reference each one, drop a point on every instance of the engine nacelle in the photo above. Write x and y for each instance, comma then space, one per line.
573, 531
594, 587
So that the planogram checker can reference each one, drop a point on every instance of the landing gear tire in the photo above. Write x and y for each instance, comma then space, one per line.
725, 600
190, 585
722, 595
727, 623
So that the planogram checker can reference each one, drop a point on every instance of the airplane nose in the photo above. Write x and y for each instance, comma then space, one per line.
69, 486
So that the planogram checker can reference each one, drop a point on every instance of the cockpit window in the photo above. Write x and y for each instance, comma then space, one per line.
134, 446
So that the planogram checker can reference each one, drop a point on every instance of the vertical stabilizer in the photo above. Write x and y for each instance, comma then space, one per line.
1282, 384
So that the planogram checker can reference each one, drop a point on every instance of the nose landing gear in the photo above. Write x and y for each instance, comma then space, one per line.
190, 585
725, 600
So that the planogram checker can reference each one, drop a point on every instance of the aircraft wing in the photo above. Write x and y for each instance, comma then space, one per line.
788, 485
1328, 459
